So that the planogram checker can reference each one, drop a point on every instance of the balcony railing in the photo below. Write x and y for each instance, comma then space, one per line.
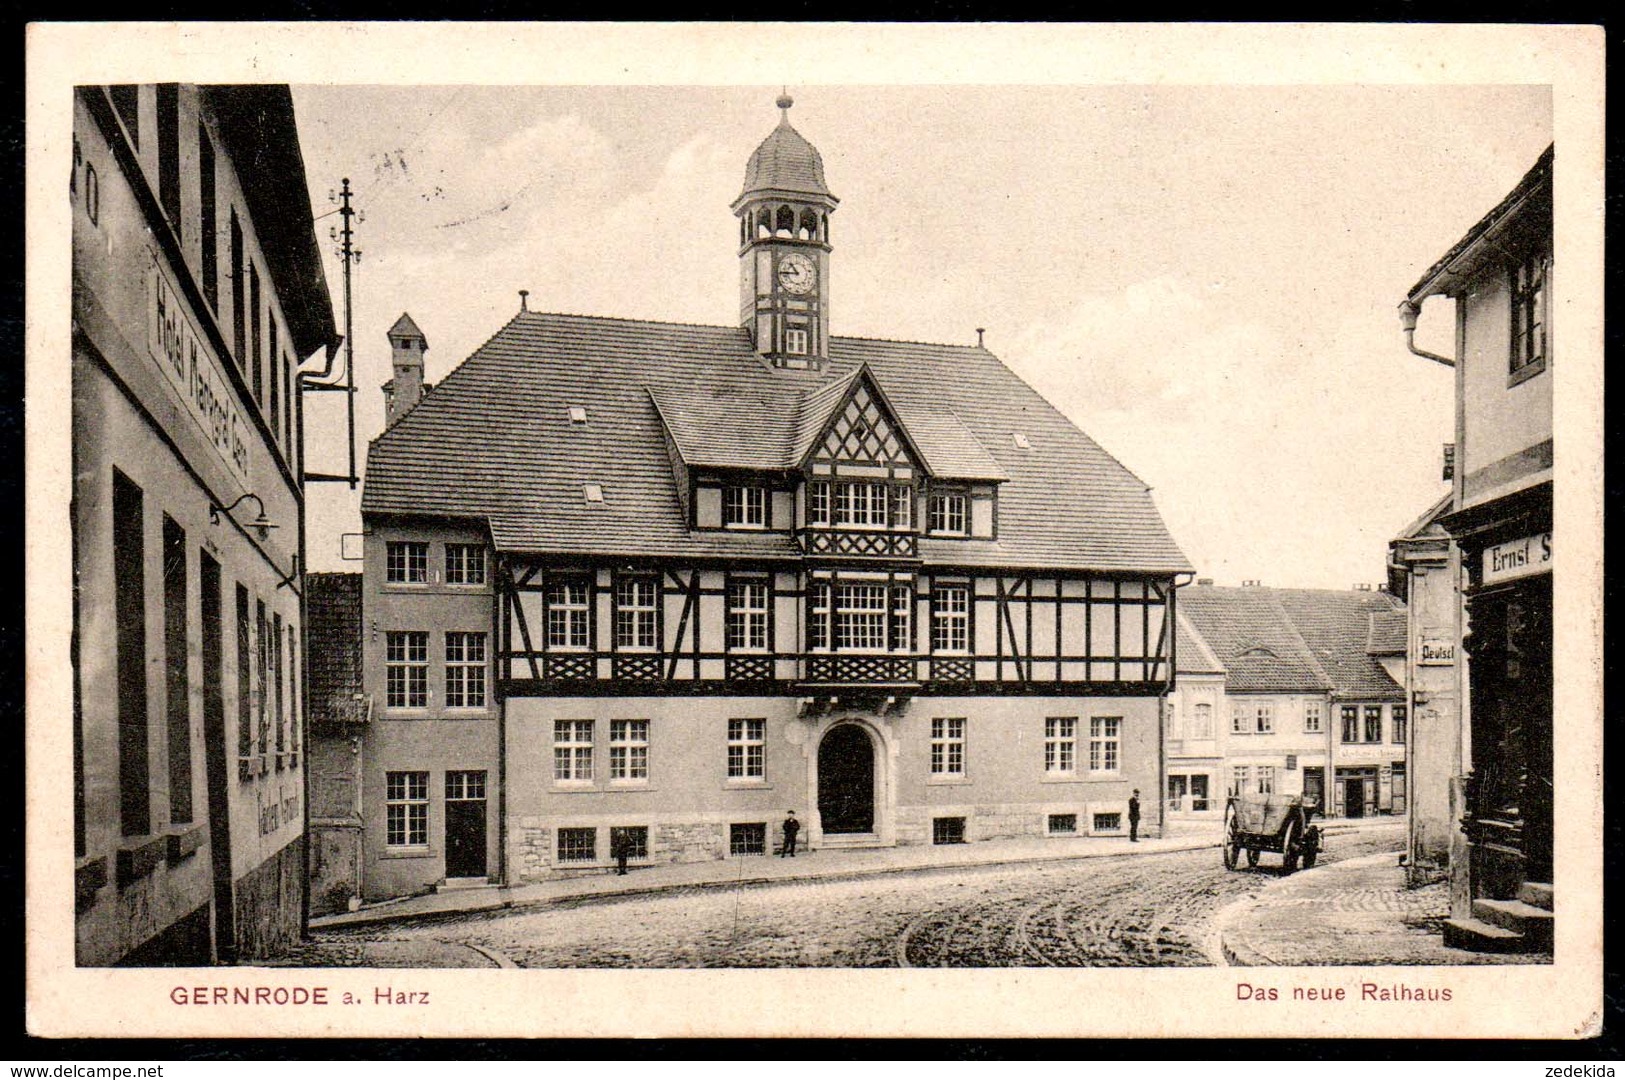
840, 669
859, 542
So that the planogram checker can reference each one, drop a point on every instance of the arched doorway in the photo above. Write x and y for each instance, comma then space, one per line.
846, 780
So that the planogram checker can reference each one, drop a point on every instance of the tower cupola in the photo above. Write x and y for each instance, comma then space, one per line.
784, 247
406, 388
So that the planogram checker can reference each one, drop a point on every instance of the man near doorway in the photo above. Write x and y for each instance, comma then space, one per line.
1134, 817
791, 828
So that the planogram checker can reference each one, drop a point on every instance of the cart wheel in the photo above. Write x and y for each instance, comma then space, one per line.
1252, 856
1291, 846
1232, 846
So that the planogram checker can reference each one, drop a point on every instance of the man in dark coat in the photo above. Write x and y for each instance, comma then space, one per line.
791, 828
620, 847
1134, 817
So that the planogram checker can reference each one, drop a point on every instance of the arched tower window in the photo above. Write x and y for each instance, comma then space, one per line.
785, 223
809, 225
744, 228
764, 223
824, 231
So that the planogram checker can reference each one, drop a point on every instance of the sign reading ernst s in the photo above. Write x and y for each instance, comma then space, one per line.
1518, 558
176, 345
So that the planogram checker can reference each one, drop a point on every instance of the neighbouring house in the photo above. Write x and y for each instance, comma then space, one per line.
1500, 277
656, 584
339, 711
198, 290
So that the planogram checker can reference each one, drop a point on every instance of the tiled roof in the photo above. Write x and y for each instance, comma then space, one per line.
333, 614
786, 162
1387, 635
1537, 181
1253, 639
1337, 627
494, 441
1194, 655
1427, 526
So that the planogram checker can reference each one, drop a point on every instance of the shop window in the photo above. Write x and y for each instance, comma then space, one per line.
748, 839
948, 830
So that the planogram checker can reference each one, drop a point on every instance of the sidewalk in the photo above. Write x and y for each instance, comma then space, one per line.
755, 870
1353, 912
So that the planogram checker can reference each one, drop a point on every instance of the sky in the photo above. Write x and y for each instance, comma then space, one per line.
1205, 279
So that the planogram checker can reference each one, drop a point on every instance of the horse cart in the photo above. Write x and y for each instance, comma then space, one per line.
1258, 823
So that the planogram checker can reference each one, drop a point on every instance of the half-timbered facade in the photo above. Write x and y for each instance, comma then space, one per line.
731, 572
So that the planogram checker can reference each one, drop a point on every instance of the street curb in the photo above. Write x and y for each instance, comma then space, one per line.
500, 959
384, 918
1226, 953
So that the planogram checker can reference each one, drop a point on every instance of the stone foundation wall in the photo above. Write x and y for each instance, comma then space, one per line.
335, 853
269, 901
535, 856
1000, 821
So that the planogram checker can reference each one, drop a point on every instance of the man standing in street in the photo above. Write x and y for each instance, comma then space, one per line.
791, 828
620, 848
1134, 817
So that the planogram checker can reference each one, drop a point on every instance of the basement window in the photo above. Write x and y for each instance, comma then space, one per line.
593, 493
948, 830
1063, 824
578, 414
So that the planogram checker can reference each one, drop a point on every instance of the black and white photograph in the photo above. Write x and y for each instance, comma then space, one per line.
505, 521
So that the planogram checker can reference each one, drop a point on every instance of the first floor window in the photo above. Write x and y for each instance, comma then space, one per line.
744, 506
746, 739
1311, 716
567, 614
747, 615
860, 617
950, 618
578, 845
902, 618
406, 809
406, 669
1401, 720
902, 507
1373, 723
465, 669
629, 749
1201, 721
946, 514
1528, 312
465, 564
572, 749
818, 616
1060, 744
860, 504
1239, 775
1351, 723
1264, 717
1241, 719
750, 839
1266, 779
1104, 732
948, 746
406, 562
635, 613
818, 502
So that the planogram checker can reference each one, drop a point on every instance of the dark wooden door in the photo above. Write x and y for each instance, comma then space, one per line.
846, 781
465, 838
1354, 798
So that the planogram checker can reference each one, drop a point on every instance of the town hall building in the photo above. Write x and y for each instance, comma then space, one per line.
657, 585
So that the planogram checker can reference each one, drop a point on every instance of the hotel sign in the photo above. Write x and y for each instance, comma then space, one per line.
195, 373
1518, 559
1437, 651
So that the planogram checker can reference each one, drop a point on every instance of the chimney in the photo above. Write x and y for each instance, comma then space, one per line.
403, 392
1204, 581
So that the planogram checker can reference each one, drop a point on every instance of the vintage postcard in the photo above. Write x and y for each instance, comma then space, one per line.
691, 530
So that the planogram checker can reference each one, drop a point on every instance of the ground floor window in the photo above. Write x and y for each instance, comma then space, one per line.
406, 809
578, 845
1063, 824
746, 756
634, 838
748, 839
1266, 779
948, 830
1188, 791
1239, 775
1109, 822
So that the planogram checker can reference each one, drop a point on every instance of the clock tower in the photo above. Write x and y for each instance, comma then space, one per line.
784, 248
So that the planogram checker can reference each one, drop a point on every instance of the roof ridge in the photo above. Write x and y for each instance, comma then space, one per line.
913, 341
623, 319
1292, 628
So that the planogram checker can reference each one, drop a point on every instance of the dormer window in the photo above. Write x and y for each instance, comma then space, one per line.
744, 507
947, 514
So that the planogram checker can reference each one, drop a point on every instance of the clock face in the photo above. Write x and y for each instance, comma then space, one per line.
797, 273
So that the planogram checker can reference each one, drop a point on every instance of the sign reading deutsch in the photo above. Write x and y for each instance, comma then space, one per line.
1518, 558
1437, 651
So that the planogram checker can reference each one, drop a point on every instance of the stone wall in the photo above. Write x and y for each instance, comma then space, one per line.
534, 857
269, 902
335, 854
1003, 821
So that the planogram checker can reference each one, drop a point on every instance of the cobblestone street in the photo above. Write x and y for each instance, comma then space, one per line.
1130, 911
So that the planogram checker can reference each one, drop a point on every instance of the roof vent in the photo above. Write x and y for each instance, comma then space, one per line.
1204, 581
1251, 583
1021, 441
593, 492
578, 414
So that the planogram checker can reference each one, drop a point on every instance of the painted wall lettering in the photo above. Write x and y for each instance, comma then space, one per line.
178, 348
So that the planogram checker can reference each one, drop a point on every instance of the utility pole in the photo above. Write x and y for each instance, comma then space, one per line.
343, 235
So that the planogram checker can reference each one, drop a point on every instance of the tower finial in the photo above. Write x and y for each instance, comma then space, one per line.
524, 298
784, 102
